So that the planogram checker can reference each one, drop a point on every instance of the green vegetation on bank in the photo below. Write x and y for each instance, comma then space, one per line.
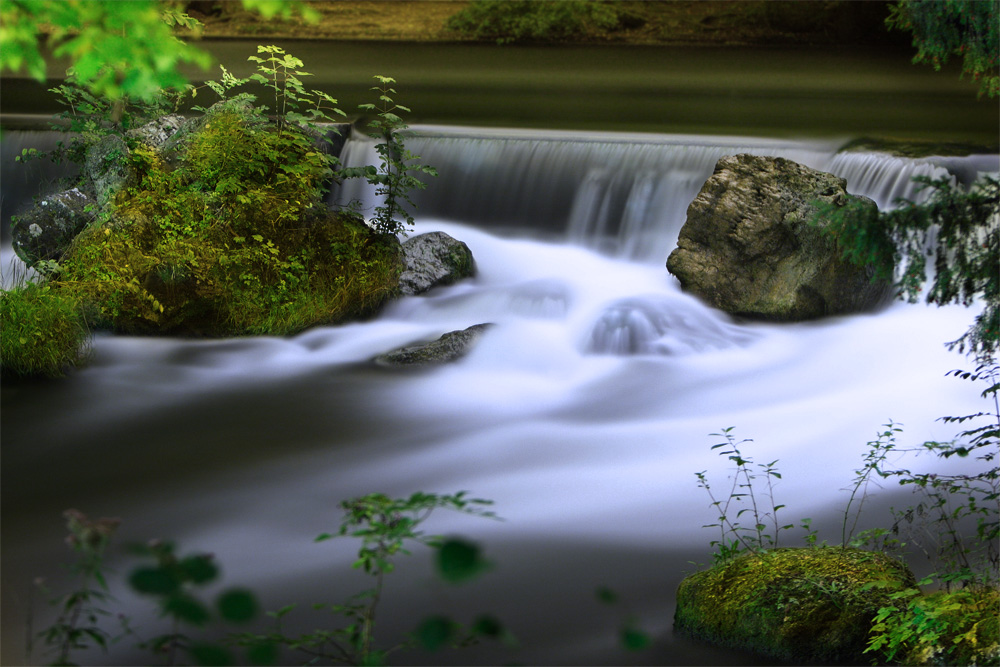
43, 332
222, 229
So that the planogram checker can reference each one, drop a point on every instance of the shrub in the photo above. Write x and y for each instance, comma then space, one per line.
525, 20
42, 331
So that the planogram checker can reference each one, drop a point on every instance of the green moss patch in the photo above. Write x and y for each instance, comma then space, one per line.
800, 606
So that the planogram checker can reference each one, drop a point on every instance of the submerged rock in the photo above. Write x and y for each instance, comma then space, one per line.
799, 606
651, 325
432, 260
750, 246
449, 347
47, 229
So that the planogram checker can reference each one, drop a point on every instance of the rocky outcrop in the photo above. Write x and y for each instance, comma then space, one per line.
798, 606
751, 247
46, 230
433, 260
106, 168
156, 133
449, 347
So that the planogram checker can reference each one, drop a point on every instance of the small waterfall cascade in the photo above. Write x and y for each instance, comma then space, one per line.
625, 194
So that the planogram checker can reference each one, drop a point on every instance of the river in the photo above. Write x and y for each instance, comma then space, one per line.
584, 413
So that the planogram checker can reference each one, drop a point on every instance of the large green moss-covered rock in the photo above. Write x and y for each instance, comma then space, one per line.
802, 606
750, 245
222, 230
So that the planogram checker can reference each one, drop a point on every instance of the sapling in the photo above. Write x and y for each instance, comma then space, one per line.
393, 178
749, 538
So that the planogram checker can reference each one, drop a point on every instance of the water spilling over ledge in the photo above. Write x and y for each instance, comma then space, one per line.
623, 193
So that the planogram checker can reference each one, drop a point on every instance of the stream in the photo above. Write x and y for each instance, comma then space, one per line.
583, 413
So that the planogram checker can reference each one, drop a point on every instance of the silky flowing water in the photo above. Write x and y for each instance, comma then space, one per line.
583, 413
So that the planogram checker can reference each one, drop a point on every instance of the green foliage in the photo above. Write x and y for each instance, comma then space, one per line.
506, 21
874, 462
77, 627
42, 331
961, 230
393, 179
116, 49
280, 72
173, 580
940, 521
943, 628
969, 29
734, 535
386, 527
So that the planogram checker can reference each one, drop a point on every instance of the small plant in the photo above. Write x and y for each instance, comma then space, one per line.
734, 535
81, 610
393, 179
878, 451
386, 527
280, 72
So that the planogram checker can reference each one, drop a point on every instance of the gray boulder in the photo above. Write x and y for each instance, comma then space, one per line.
749, 247
432, 260
156, 133
449, 347
106, 168
46, 230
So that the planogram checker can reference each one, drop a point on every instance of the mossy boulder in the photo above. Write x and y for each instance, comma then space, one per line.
753, 245
46, 229
800, 606
223, 231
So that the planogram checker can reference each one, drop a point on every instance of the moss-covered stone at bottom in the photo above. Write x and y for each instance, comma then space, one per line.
801, 606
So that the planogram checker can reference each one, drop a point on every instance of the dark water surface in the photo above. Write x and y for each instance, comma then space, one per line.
787, 92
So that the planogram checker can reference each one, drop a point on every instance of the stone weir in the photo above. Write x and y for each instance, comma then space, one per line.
623, 193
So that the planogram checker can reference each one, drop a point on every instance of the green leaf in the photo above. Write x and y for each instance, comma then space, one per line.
435, 632
459, 560
634, 639
186, 608
153, 581
237, 605
199, 569
488, 626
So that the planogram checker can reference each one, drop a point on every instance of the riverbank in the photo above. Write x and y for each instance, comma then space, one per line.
663, 23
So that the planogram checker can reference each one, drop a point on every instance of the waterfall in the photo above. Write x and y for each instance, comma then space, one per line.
625, 194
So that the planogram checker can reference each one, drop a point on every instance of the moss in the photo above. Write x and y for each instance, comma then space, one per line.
796, 605
42, 332
228, 235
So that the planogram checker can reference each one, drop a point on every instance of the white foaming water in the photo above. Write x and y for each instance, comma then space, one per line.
623, 193
583, 413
